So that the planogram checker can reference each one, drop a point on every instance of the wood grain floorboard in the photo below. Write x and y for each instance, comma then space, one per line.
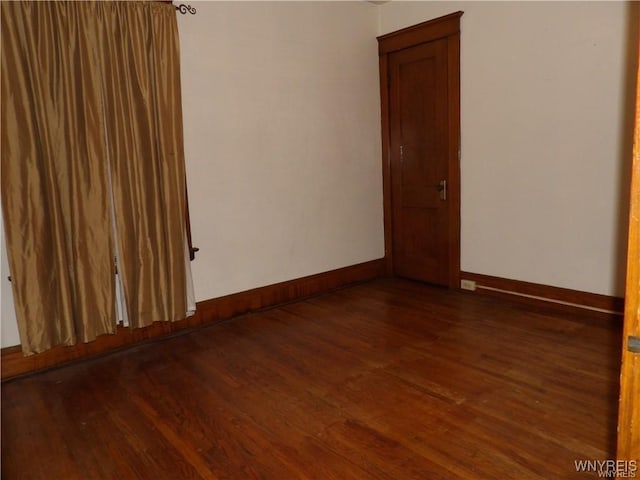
387, 380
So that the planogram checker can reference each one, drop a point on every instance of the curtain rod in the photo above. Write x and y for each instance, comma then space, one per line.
182, 8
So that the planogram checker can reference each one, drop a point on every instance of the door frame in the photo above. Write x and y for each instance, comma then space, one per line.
629, 404
447, 27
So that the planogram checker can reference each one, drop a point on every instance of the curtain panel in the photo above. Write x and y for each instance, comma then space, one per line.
92, 167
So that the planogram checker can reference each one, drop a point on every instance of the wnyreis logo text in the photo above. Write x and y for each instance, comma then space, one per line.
608, 468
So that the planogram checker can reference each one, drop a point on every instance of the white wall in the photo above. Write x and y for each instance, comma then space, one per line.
282, 140
547, 111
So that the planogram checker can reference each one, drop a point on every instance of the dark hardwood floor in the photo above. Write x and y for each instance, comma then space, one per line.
386, 380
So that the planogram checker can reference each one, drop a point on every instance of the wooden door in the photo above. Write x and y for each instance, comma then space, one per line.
629, 414
421, 139
419, 173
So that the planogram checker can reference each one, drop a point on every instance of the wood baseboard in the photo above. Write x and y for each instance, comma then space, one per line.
14, 363
534, 293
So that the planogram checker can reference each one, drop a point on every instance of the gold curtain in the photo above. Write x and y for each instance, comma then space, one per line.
91, 131
144, 119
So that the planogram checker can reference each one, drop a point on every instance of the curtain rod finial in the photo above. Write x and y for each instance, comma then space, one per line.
186, 8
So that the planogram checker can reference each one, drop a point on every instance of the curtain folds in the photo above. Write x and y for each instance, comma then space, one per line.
141, 53
92, 165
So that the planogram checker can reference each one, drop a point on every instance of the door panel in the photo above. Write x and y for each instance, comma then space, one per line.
419, 144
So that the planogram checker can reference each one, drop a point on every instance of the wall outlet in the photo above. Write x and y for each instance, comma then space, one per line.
468, 285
